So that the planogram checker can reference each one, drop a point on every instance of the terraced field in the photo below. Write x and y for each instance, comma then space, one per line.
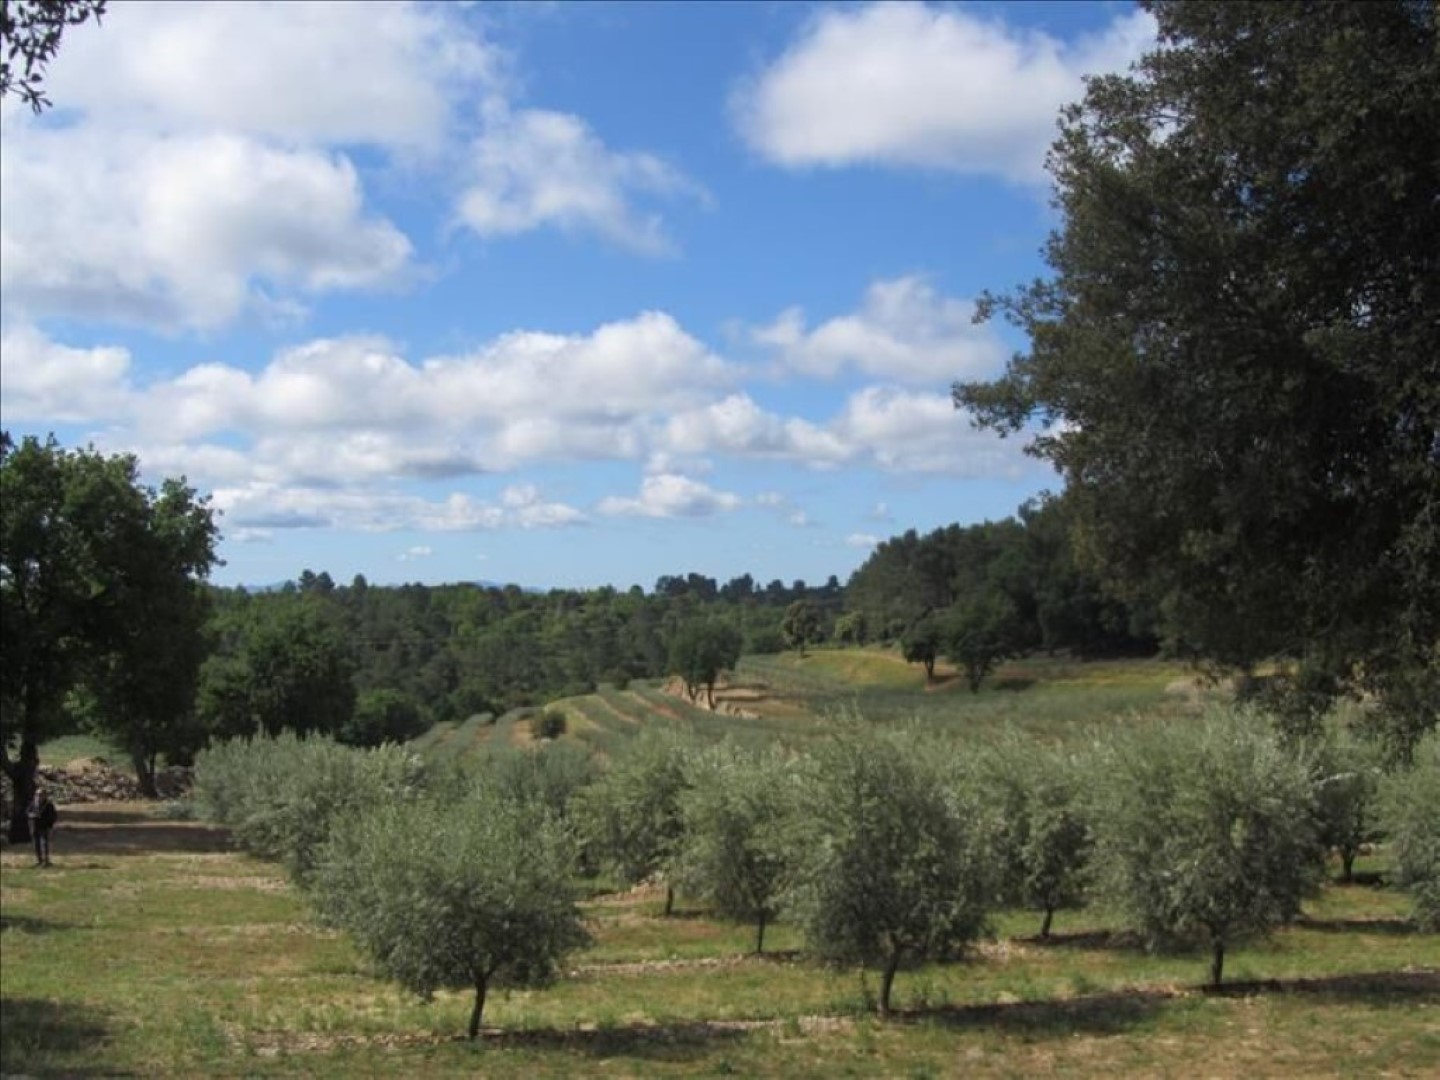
790, 698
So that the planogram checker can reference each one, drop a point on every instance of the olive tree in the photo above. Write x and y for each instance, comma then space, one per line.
891, 860
1207, 827
472, 894
1040, 825
282, 797
1347, 786
1411, 813
630, 818
734, 813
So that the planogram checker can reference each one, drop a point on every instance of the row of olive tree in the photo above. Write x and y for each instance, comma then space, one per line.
886, 846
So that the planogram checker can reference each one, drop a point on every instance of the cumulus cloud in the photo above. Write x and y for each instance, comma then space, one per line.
259, 505
862, 540
904, 330
737, 426
206, 167
908, 84
42, 380
900, 431
181, 231
377, 72
354, 405
199, 176
535, 168
668, 495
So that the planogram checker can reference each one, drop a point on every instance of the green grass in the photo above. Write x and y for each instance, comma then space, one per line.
70, 748
1051, 698
154, 950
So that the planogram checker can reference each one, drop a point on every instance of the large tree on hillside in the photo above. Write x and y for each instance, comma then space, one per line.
700, 651
99, 587
1235, 362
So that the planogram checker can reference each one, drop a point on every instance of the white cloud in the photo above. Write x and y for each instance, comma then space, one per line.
354, 404
416, 551
45, 381
907, 84
737, 426
904, 331
259, 505
180, 231
197, 178
534, 168
669, 495
899, 431
377, 72
862, 540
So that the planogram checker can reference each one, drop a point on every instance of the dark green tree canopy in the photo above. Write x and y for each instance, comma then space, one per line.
1235, 362
99, 588
700, 651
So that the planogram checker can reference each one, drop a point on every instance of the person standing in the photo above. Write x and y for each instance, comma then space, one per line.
42, 814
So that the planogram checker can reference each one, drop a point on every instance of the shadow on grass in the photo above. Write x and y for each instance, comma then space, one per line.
1114, 940
1014, 684
677, 1042
1369, 986
1100, 1014
29, 924
41, 1038
1400, 927
1361, 879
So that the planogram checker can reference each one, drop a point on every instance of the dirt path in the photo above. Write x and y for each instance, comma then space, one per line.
123, 828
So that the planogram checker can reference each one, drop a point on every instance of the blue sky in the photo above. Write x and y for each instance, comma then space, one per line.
546, 293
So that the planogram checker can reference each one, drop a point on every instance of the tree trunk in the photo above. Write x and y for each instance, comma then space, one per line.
669, 900
145, 773
710, 695
887, 979
479, 1008
1347, 864
22, 773
760, 935
1045, 926
1217, 960
929, 672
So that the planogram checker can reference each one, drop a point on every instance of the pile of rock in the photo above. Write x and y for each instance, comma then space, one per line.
88, 780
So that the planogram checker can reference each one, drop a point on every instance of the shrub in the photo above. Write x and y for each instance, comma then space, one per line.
281, 796
548, 725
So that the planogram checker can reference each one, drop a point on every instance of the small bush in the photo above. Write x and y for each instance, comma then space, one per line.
548, 725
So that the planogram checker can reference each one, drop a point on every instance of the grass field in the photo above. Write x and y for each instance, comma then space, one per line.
152, 949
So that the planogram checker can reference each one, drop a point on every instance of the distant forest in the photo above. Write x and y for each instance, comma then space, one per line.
369, 662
